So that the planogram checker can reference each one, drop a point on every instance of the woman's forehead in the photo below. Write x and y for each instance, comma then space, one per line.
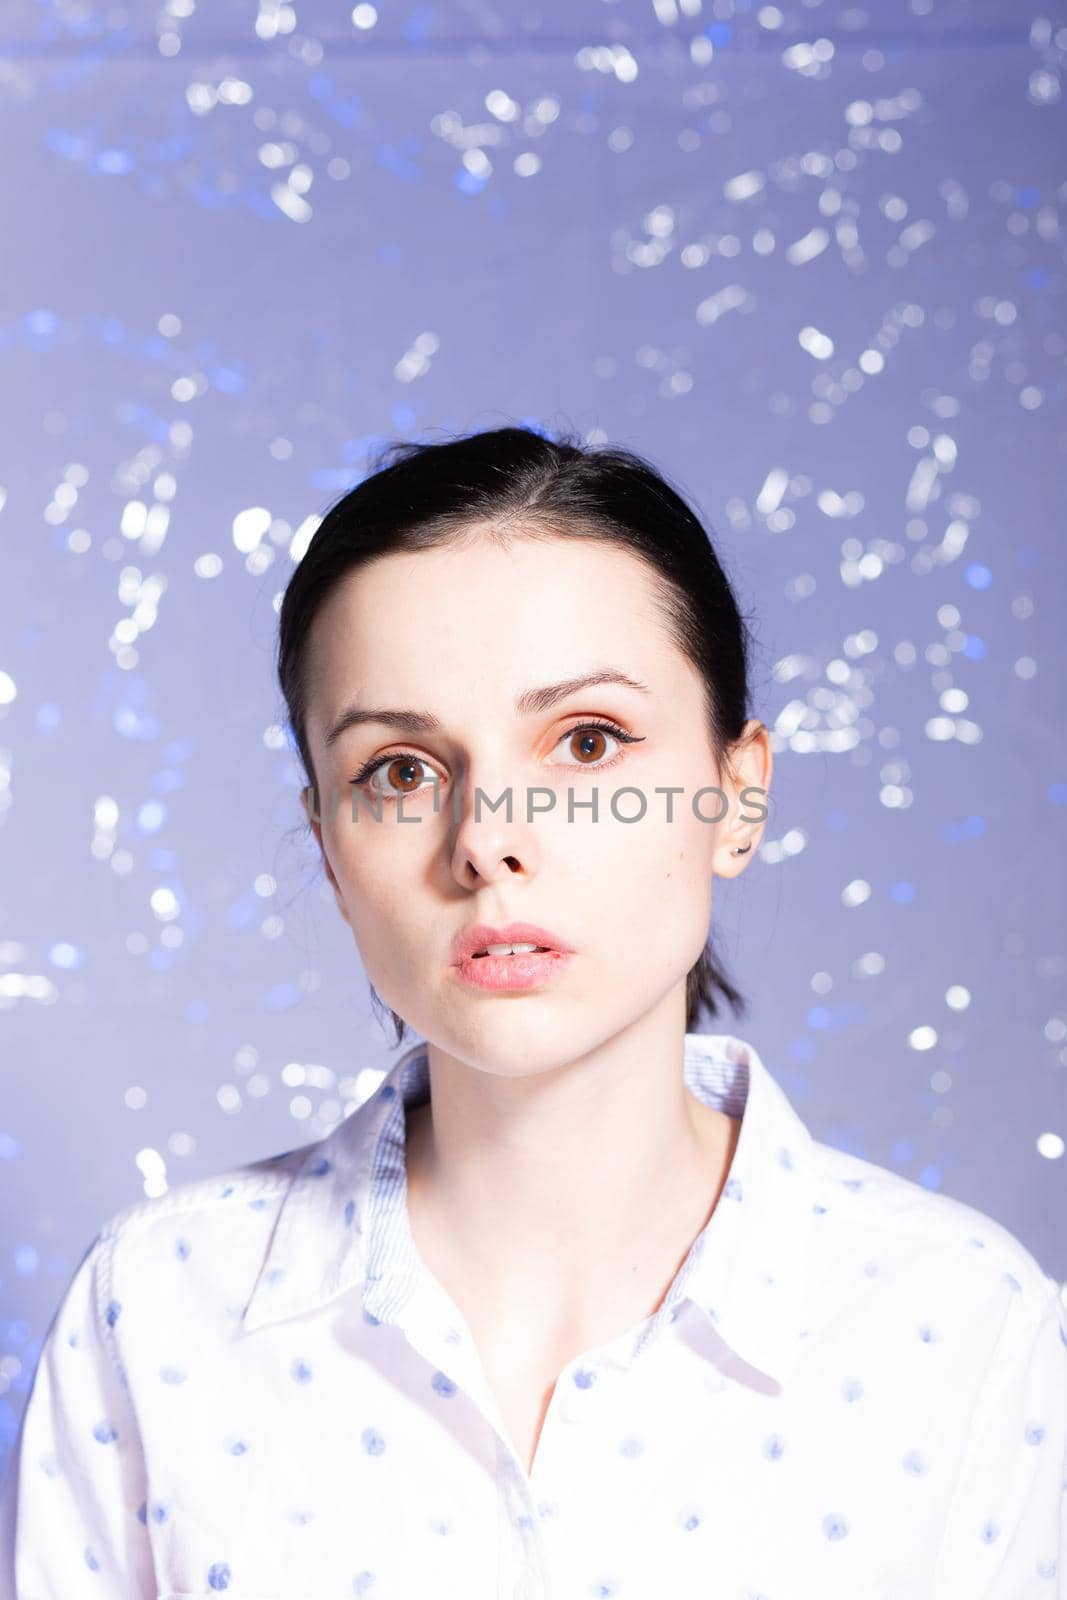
433, 654
531, 604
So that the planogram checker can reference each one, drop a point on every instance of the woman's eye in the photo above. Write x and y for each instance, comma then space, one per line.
402, 776
586, 744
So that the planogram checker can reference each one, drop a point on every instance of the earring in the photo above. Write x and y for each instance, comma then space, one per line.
741, 849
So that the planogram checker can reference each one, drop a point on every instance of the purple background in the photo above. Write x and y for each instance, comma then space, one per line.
242, 246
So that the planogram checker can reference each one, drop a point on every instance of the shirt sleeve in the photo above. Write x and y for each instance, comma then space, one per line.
1006, 1532
72, 1501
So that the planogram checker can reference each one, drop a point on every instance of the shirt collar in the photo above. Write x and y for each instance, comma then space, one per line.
747, 1268
343, 1217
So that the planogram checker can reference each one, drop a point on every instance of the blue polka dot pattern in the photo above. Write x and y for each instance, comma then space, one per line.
254, 1383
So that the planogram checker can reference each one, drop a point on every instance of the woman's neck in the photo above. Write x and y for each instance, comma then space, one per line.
573, 1189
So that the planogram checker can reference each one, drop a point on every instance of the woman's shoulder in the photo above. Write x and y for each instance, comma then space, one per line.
254, 1186
889, 1229
201, 1244
244, 1240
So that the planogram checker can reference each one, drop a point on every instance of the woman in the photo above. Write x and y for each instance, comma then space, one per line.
574, 1305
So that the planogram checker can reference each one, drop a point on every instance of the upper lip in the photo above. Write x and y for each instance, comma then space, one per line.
479, 935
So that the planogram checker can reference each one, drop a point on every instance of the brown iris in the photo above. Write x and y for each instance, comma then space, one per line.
590, 733
404, 764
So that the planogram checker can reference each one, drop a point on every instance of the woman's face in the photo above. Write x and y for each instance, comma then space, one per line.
459, 633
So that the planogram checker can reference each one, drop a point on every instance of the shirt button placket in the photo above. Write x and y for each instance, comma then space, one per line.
528, 1584
520, 1572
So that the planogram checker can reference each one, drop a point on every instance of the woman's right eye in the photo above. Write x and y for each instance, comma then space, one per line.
401, 776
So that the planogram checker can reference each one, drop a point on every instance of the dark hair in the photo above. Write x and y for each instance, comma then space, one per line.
418, 496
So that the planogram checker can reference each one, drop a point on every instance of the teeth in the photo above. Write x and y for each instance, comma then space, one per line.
508, 949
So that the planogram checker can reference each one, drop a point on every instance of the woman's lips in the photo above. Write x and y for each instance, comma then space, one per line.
479, 937
527, 969
523, 969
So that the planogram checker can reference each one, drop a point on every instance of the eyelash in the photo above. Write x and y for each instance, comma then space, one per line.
602, 724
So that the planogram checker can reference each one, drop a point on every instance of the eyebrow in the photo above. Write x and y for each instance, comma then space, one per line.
529, 702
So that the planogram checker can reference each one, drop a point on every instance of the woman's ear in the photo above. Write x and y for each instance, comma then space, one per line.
747, 785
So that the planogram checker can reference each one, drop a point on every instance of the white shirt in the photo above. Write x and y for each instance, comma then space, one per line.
855, 1389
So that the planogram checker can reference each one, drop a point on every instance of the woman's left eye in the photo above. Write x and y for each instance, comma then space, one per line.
593, 734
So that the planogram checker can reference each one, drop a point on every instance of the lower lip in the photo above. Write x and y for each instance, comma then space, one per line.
527, 970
